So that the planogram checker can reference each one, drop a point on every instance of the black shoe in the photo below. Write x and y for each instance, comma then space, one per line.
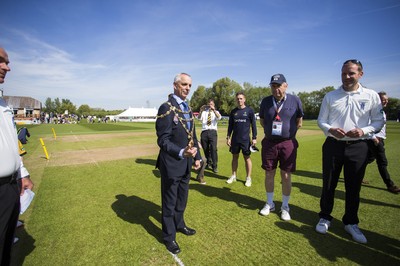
187, 231
394, 189
215, 170
172, 247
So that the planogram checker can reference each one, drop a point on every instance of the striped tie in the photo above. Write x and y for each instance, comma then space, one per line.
209, 118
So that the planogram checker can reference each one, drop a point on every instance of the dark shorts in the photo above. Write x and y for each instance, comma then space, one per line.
236, 147
284, 152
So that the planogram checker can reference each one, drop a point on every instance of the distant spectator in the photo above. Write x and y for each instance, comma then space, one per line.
398, 116
23, 133
377, 150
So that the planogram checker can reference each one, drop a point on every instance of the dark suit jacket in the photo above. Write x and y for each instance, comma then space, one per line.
171, 138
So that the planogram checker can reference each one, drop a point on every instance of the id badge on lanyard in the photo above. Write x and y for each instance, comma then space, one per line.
277, 123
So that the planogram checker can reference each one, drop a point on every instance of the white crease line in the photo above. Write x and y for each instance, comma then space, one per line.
177, 259
93, 160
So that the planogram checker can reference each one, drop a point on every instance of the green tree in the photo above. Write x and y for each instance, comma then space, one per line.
84, 110
392, 109
57, 106
312, 101
254, 96
48, 106
199, 98
223, 92
67, 105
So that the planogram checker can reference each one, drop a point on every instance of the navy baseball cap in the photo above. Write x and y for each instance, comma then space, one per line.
278, 78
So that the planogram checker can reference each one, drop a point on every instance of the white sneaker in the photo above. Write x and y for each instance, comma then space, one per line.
322, 226
356, 233
285, 214
267, 209
231, 179
248, 182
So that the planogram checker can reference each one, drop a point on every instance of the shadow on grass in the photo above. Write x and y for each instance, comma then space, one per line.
146, 161
23, 247
318, 175
156, 172
310, 174
337, 244
138, 211
316, 192
226, 194
152, 162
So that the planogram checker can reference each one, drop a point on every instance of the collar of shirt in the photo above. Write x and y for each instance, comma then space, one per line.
358, 91
179, 101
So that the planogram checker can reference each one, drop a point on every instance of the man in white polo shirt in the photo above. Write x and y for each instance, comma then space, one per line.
347, 116
10, 172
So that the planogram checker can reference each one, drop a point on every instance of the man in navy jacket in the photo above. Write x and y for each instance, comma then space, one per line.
177, 140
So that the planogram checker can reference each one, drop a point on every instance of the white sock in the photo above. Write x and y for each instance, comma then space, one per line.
285, 201
270, 198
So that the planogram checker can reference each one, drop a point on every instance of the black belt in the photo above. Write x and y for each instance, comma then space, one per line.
279, 140
347, 142
8, 179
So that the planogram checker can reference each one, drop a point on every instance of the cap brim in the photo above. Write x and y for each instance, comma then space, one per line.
253, 149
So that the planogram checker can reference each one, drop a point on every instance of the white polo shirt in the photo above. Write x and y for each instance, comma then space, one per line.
10, 160
348, 110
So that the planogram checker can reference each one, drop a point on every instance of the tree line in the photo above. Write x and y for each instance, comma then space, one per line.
58, 106
223, 93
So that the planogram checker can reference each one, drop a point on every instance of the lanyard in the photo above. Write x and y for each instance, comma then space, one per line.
277, 110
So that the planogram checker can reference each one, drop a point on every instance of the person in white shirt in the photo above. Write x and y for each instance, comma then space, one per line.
348, 115
377, 151
209, 117
12, 181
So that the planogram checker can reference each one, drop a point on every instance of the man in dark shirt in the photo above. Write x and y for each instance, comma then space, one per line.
23, 133
280, 115
240, 120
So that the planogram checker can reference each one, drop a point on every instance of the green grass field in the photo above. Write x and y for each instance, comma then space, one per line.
107, 212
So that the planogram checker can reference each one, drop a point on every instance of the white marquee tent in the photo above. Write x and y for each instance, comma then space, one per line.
137, 115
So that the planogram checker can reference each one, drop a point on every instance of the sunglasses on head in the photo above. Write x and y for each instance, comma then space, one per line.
354, 61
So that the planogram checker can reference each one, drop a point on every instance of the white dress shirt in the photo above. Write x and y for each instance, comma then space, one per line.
215, 116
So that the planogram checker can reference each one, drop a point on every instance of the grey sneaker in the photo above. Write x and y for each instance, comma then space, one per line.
356, 233
322, 226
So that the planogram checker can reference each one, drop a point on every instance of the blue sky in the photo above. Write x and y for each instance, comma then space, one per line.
119, 53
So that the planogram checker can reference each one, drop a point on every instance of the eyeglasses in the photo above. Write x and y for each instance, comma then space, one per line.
354, 61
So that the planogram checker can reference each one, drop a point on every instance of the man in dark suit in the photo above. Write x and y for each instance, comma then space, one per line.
177, 140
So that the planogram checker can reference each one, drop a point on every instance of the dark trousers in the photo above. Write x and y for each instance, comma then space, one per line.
174, 195
209, 139
352, 157
378, 152
9, 211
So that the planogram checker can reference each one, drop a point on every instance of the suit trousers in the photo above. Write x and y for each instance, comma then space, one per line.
9, 212
352, 157
378, 152
209, 140
174, 194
